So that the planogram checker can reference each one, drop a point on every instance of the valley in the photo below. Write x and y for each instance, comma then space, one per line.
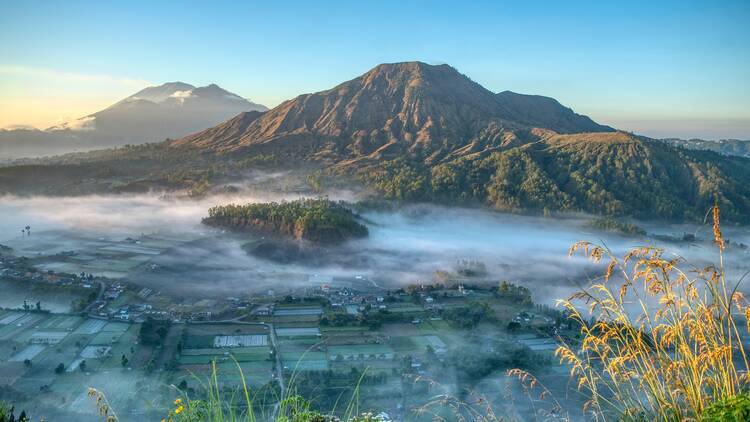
383, 310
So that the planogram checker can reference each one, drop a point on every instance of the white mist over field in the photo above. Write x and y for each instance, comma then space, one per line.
404, 246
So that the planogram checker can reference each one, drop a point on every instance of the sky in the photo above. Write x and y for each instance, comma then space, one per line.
659, 68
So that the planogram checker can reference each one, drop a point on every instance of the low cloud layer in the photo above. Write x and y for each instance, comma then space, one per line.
407, 246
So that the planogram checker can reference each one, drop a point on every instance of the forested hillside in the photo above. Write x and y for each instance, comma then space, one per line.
609, 174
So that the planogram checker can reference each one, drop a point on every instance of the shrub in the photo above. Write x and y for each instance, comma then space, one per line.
733, 409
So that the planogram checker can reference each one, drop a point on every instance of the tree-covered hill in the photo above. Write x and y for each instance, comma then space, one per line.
599, 173
317, 220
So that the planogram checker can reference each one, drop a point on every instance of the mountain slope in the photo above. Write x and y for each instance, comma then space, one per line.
171, 110
430, 112
612, 173
546, 112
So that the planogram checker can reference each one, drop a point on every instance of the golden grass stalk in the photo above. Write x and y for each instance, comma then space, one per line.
663, 343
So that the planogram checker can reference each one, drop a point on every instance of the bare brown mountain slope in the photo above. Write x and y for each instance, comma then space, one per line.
428, 112
546, 112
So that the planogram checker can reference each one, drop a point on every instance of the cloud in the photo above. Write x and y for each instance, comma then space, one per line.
83, 124
182, 94
35, 72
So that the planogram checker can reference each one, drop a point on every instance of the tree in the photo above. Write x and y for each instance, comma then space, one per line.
82, 366
154, 331
124, 361
504, 288
27, 363
162, 332
60, 368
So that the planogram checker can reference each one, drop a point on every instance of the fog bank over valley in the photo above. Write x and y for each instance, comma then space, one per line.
163, 245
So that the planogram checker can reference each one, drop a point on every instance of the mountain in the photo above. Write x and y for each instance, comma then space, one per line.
737, 147
32, 142
430, 112
416, 132
171, 110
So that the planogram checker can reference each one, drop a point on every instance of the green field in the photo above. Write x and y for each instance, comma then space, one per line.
344, 329
241, 354
62, 322
230, 373
360, 351
304, 361
405, 308
402, 344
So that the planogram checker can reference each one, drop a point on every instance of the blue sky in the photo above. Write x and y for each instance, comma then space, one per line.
670, 68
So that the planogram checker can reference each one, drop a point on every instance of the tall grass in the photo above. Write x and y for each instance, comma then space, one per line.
242, 404
665, 341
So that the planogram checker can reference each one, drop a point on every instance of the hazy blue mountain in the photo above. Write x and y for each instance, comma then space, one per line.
171, 110
738, 147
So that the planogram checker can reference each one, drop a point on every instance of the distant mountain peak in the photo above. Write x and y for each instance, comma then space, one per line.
160, 93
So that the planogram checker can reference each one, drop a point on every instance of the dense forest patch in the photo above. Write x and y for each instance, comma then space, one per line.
317, 220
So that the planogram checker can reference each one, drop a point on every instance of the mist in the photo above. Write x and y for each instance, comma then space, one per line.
404, 247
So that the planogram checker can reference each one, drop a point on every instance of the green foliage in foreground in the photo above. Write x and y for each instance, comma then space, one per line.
319, 220
241, 406
7, 414
733, 409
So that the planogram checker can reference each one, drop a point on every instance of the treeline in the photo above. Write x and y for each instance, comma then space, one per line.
612, 225
635, 178
317, 220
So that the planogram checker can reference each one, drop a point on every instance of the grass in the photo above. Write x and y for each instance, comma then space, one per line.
220, 403
664, 341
